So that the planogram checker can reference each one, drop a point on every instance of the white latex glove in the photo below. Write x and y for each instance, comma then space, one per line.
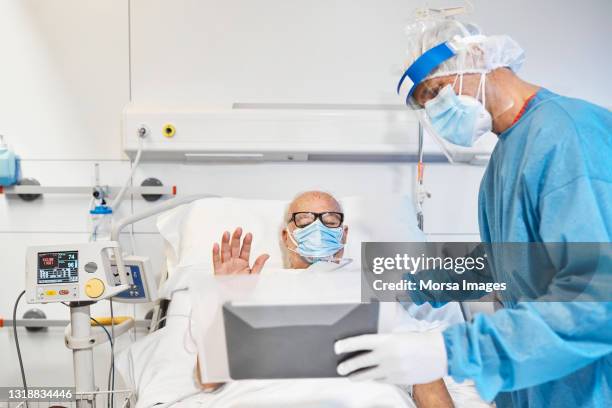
397, 358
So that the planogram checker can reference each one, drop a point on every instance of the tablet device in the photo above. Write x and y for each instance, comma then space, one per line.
292, 341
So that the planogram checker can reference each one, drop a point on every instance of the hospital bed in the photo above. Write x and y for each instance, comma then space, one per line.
161, 368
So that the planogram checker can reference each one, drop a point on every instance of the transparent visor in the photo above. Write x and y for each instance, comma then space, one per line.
408, 93
476, 85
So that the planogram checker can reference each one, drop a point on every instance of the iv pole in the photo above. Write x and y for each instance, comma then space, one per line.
421, 195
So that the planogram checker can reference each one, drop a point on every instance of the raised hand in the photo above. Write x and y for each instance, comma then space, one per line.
233, 258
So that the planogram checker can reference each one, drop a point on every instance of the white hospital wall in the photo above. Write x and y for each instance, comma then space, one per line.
64, 80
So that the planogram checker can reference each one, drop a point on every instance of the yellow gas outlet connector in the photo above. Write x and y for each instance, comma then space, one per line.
169, 130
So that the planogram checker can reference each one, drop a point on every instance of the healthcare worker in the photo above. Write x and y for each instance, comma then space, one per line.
549, 179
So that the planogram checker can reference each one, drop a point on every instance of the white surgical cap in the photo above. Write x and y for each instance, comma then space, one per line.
475, 52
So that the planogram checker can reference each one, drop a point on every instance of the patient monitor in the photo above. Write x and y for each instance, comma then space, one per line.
87, 272
74, 272
79, 275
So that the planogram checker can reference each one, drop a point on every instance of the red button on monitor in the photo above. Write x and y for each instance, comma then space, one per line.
64, 292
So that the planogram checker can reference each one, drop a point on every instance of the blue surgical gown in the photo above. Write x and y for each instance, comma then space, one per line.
549, 180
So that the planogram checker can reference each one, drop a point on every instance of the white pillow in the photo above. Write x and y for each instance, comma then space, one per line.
191, 230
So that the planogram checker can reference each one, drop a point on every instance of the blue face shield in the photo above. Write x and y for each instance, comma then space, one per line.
316, 242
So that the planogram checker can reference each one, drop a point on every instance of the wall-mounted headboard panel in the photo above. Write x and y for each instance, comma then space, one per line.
270, 134
271, 80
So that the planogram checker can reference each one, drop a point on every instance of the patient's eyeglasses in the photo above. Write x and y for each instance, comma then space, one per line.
329, 219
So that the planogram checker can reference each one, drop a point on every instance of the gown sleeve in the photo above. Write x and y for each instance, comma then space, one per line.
563, 336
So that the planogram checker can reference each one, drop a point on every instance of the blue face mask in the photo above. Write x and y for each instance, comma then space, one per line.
316, 242
459, 119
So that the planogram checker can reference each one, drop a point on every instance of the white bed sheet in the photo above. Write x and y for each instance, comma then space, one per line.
328, 393
161, 366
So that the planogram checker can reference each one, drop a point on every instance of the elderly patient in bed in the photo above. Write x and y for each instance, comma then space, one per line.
315, 231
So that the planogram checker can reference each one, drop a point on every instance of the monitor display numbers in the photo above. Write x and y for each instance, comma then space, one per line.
58, 267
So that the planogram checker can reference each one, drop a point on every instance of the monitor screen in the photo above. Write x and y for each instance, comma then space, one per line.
58, 267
